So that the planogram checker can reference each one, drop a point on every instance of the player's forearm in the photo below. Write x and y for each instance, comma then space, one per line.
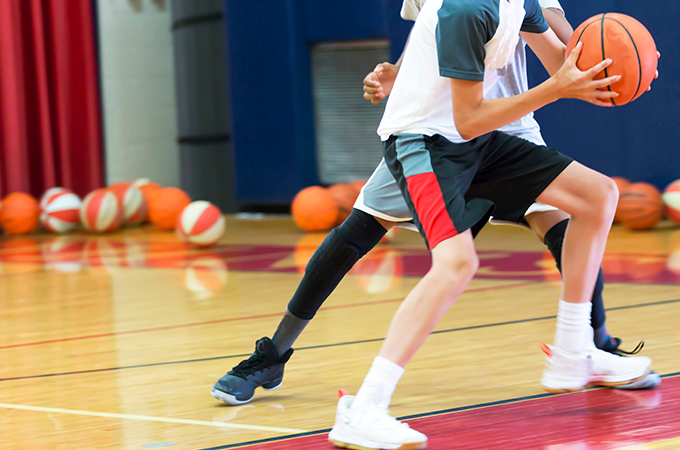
492, 114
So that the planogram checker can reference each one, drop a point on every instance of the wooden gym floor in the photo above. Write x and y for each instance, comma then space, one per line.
114, 342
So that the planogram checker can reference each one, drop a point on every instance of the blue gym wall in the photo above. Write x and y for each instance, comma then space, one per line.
273, 117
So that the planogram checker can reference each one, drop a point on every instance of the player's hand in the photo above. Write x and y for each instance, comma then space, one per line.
574, 83
378, 84
656, 75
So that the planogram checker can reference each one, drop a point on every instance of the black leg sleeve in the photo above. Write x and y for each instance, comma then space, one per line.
336, 255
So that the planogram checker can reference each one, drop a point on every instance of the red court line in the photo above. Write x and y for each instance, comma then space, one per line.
601, 419
237, 319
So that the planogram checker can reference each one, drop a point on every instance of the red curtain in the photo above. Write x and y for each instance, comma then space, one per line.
50, 120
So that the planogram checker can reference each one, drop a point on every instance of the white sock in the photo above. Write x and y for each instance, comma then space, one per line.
379, 384
574, 333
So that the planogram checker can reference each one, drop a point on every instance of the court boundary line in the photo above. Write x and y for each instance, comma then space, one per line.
313, 347
420, 416
520, 283
148, 418
653, 444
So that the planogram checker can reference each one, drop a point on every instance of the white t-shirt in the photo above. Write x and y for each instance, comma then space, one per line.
513, 80
420, 101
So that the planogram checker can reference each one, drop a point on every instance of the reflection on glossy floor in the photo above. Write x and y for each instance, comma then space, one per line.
114, 342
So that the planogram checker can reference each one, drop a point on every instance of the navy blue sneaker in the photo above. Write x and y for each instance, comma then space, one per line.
263, 369
612, 345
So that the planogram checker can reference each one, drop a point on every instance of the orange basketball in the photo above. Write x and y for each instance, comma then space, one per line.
166, 205
640, 206
148, 190
20, 213
627, 43
315, 209
344, 195
621, 184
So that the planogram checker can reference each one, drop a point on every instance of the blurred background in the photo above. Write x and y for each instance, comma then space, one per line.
245, 103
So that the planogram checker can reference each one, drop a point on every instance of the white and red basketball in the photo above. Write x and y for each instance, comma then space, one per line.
131, 201
100, 211
49, 193
59, 211
671, 198
200, 224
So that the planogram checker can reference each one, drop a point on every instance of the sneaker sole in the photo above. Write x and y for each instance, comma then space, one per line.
651, 381
233, 401
598, 384
411, 446
229, 399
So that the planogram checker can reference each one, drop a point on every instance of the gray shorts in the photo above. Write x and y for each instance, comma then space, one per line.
382, 198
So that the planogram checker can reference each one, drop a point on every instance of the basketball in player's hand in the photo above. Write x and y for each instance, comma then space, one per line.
627, 43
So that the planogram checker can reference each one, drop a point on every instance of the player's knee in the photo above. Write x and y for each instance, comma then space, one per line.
458, 268
606, 197
599, 203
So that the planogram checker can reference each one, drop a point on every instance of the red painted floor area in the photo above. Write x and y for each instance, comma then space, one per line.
603, 419
77, 252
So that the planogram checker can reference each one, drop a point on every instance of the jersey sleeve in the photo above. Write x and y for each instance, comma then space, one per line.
553, 4
463, 29
410, 10
534, 22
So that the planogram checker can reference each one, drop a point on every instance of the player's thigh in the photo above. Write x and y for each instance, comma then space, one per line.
579, 190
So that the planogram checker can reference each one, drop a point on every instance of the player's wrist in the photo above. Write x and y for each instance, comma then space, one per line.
552, 90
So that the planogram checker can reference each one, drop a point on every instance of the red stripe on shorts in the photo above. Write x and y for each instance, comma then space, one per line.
427, 198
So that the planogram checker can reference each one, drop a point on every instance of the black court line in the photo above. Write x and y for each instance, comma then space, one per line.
338, 344
410, 417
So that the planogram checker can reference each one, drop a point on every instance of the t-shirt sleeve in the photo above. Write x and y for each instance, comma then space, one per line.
462, 31
410, 10
534, 22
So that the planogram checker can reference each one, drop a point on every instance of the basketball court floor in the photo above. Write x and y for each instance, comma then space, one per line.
114, 342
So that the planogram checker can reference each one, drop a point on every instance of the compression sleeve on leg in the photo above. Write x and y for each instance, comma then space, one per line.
336, 255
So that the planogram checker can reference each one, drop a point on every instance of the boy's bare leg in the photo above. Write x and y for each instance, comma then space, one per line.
454, 263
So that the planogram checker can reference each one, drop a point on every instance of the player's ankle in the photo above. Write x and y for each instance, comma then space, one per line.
573, 332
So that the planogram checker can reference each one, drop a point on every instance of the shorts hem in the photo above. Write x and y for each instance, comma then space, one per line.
361, 206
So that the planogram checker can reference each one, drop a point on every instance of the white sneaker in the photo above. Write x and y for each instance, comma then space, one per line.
651, 381
372, 429
566, 372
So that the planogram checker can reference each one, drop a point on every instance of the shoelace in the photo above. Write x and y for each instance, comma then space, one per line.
635, 351
605, 360
249, 366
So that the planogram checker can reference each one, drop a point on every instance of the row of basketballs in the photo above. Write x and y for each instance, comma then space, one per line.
641, 205
107, 209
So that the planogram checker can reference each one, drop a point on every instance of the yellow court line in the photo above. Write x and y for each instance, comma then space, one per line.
653, 444
151, 418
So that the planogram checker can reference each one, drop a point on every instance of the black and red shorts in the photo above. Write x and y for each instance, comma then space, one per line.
450, 187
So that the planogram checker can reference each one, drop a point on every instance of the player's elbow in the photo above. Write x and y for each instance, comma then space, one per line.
466, 128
